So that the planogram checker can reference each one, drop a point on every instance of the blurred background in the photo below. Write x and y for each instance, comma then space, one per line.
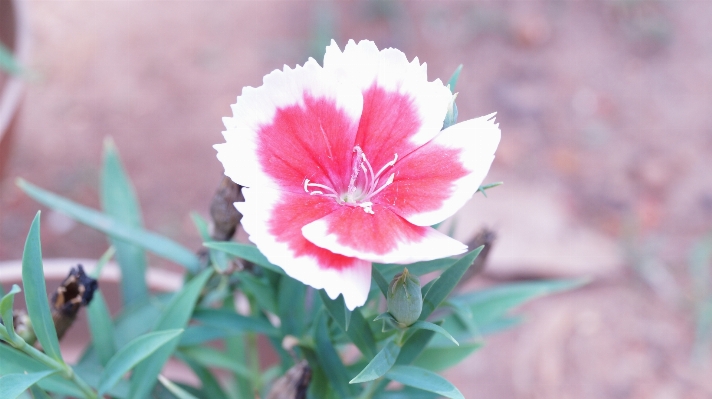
606, 155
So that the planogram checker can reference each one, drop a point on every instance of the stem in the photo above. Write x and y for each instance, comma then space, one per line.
66, 370
371, 389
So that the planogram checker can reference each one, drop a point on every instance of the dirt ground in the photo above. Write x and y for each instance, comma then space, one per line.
606, 153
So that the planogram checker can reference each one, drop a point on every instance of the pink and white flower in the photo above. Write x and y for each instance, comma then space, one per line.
345, 164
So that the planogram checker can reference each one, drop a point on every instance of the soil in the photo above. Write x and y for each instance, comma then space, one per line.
605, 154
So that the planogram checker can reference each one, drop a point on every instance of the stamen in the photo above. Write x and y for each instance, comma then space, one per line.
306, 183
367, 207
388, 183
354, 171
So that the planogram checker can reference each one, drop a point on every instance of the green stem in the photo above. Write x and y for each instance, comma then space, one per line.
371, 389
66, 370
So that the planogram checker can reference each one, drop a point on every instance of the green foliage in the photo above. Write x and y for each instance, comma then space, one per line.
118, 201
36, 292
193, 322
13, 385
131, 354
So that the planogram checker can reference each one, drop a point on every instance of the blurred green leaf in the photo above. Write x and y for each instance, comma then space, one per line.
218, 259
198, 335
244, 251
406, 393
381, 281
425, 325
176, 315
14, 361
210, 357
6, 304
179, 392
453, 79
130, 355
359, 332
443, 286
7, 61
159, 245
381, 363
441, 358
229, 320
12, 385
414, 346
330, 360
131, 322
490, 304
38, 393
260, 290
36, 292
291, 306
209, 385
418, 268
424, 379
101, 328
118, 200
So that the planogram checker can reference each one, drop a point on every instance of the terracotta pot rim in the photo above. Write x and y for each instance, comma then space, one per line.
11, 92
57, 269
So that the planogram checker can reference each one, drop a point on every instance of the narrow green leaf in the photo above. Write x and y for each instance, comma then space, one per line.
14, 361
198, 335
290, 305
118, 201
414, 346
176, 315
406, 393
347, 317
260, 289
447, 281
6, 310
2, 291
103, 260
381, 281
425, 325
425, 380
418, 268
131, 354
330, 360
39, 393
12, 385
131, 322
359, 332
101, 328
381, 363
209, 385
210, 357
159, 245
179, 392
453, 79
490, 304
36, 292
244, 251
441, 358
229, 320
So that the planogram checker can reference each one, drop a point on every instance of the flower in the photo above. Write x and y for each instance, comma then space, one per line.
344, 165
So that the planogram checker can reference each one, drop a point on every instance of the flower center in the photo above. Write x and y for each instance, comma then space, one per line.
359, 191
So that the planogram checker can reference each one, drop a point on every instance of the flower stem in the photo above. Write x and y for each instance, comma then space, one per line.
66, 370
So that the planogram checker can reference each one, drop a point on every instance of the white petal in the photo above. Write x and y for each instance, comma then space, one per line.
256, 107
478, 139
381, 237
364, 65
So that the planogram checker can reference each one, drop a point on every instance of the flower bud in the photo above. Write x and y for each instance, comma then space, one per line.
405, 301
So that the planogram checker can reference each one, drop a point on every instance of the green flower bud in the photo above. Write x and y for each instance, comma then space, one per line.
405, 301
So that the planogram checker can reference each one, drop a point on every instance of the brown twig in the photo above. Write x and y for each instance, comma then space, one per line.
293, 384
76, 290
